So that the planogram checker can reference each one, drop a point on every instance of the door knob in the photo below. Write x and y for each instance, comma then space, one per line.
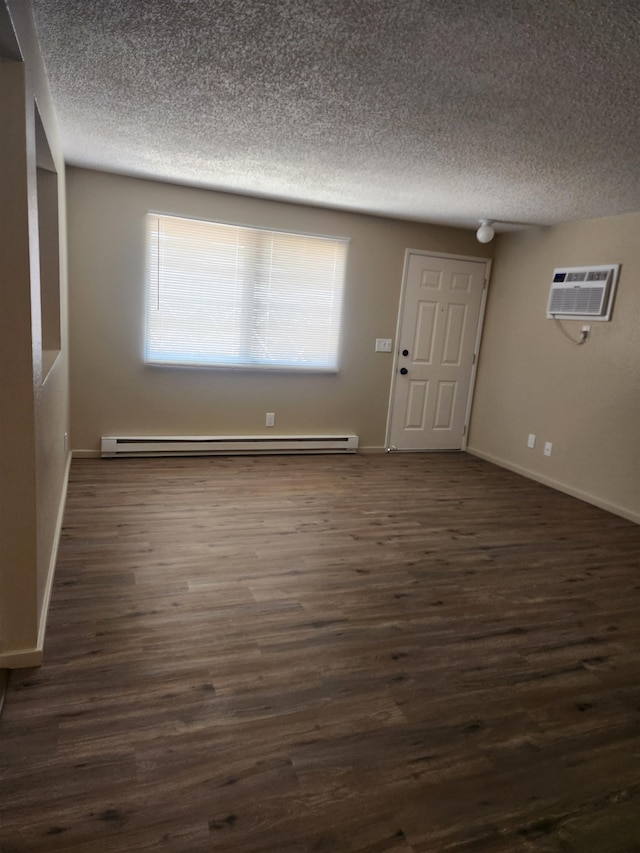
405, 352
403, 371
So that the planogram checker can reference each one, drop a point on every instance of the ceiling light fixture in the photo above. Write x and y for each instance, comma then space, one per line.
486, 232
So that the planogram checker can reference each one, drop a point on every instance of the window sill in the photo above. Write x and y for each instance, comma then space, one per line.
243, 368
49, 358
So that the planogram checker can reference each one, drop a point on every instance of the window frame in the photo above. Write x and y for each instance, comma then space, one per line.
244, 365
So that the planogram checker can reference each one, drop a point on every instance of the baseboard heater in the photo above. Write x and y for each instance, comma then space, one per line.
224, 445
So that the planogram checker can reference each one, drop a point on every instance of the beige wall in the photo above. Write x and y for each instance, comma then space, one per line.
584, 399
34, 410
113, 392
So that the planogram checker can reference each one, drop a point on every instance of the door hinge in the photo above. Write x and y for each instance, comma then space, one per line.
464, 429
486, 282
474, 359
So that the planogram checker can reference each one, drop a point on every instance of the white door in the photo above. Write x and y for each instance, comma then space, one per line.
438, 333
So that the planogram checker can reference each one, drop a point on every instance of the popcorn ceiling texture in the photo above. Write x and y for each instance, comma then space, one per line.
435, 110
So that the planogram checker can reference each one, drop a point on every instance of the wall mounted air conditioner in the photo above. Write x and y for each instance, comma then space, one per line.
582, 293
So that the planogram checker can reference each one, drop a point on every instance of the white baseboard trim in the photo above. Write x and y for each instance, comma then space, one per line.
54, 556
21, 659
25, 658
560, 487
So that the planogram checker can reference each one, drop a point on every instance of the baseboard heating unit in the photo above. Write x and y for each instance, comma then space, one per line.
224, 445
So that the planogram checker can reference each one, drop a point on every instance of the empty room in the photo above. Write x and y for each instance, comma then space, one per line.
320, 458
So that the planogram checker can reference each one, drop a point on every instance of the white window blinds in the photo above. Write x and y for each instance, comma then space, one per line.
223, 295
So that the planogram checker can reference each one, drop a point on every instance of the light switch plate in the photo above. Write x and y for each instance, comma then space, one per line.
383, 344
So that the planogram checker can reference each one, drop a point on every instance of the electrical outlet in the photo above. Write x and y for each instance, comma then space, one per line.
383, 344
547, 448
270, 419
531, 441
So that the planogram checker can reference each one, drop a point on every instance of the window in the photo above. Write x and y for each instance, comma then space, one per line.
223, 295
48, 247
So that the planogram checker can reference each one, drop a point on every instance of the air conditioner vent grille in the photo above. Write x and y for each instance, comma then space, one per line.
577, 300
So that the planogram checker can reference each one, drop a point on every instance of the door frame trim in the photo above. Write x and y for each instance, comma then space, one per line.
474, 368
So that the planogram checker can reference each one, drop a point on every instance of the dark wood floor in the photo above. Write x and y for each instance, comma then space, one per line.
374, 653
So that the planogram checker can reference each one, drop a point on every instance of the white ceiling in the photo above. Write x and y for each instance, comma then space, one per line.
435, 110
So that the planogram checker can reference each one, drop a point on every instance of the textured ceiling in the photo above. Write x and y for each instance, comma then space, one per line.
436, 110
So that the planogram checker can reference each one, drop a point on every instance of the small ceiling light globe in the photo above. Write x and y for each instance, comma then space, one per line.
485, 232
